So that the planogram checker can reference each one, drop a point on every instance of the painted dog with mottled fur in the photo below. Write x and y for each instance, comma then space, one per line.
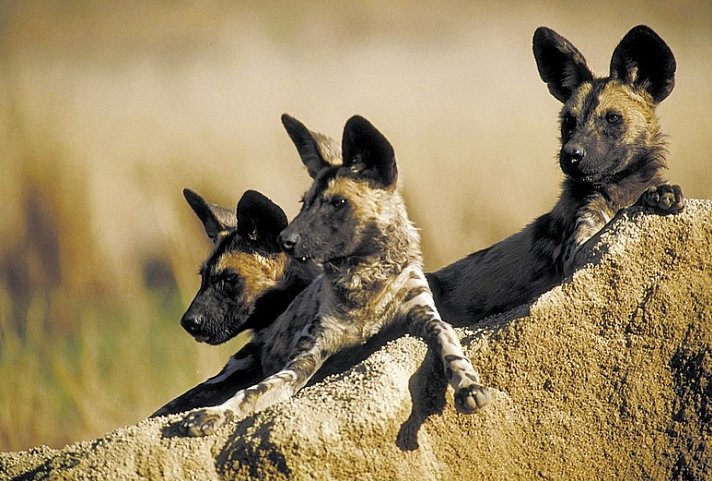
353, 223
613, 156
246, 283
247, 280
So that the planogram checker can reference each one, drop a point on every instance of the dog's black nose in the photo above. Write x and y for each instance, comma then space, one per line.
574, 153
192, 323
288, 240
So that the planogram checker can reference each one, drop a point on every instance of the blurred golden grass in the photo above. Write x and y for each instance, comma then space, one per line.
108, 110
82, 350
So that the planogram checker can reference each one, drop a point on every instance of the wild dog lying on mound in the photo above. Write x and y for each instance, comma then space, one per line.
612, 155
247, 281
353, 222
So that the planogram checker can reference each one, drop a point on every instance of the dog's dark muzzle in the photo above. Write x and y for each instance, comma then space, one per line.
193, 324
288, 241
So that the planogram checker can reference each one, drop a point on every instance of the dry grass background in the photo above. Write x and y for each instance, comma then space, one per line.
109, 109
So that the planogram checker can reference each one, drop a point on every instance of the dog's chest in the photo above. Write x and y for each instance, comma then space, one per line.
357, 322
319, 319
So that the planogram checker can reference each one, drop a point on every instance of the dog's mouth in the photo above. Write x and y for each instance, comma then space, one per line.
212, 341
593, 179
590, 172
579, 173
320, 259
583, 179
303, 257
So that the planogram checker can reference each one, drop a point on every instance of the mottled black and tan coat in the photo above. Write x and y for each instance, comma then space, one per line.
613, 156
246, 283
354, 223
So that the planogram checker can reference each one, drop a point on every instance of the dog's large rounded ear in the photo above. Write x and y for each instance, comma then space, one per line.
309, 145
644, 60
366, 150
560, 64
218, 221
260, 220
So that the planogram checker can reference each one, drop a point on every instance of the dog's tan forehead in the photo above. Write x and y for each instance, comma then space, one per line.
579, 97
236, 261
258, 272
250, 265
620, 97
361, 198
345, 187
614, 95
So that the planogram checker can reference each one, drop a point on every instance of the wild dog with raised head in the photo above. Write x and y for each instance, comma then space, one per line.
247, 281
353, 222
613, 156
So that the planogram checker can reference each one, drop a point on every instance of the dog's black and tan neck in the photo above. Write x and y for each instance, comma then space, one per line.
386, 248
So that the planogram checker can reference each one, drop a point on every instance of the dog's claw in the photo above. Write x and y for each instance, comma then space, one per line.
662, 199
471, 398
204, 422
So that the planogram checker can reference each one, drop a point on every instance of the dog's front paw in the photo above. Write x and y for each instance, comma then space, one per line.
662, 199
471, 398
204, 422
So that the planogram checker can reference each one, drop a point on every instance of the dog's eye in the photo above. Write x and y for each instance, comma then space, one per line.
232, 280
568, 124
613, 118
227, 281
337, 202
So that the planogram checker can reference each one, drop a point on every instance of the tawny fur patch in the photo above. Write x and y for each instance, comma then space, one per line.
259, 272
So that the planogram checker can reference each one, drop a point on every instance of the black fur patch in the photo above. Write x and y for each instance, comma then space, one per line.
271, 304
592, 100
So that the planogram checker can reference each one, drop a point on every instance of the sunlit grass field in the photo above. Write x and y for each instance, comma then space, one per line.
109, 109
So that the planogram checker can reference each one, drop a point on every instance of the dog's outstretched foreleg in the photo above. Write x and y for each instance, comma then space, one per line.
273, 389
423, 320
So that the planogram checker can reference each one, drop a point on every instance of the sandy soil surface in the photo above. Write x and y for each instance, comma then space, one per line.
607, 376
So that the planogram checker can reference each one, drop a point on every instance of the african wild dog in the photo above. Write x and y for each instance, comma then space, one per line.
612, 155
264, 290
247, 281
353, 222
